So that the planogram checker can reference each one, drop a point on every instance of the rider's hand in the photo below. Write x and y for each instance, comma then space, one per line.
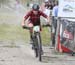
48, 24
23, 24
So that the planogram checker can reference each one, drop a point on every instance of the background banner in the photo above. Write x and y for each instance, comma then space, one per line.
67, 34
66, 8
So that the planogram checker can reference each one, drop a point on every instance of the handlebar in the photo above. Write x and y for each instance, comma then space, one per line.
25, 27
47, 25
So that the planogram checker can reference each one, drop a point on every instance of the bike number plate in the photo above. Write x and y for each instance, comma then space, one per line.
36, 28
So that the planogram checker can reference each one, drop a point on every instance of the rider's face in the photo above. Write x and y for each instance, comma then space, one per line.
35, 12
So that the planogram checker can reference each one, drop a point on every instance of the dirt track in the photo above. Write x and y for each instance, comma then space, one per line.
21, 54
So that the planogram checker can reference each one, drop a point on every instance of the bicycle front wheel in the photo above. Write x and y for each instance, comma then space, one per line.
39, 46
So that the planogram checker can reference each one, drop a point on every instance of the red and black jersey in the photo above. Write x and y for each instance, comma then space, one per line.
35, 19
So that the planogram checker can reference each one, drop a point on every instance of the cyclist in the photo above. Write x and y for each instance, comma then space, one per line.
33, 17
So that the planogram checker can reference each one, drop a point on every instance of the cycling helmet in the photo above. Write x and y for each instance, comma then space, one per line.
35, 7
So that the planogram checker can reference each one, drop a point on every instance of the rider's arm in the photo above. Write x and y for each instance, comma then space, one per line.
45, 16
23, 22
48, 19
25, 18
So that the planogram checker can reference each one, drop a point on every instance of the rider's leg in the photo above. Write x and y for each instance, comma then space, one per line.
31, 34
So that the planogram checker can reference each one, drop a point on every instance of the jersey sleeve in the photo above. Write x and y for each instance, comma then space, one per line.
43, 14
27, 15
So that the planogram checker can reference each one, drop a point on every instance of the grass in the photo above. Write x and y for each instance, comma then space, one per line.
15, 33
45, 34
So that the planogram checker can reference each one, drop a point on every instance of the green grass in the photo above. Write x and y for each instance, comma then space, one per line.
13, 32
45, 34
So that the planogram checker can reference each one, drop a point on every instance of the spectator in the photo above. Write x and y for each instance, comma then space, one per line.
54, 22
46, 7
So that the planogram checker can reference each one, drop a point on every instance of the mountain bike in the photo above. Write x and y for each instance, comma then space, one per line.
37, 44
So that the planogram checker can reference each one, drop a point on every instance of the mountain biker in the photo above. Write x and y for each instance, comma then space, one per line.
33, 17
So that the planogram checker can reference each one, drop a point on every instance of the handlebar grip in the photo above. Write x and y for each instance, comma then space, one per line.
25, 27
